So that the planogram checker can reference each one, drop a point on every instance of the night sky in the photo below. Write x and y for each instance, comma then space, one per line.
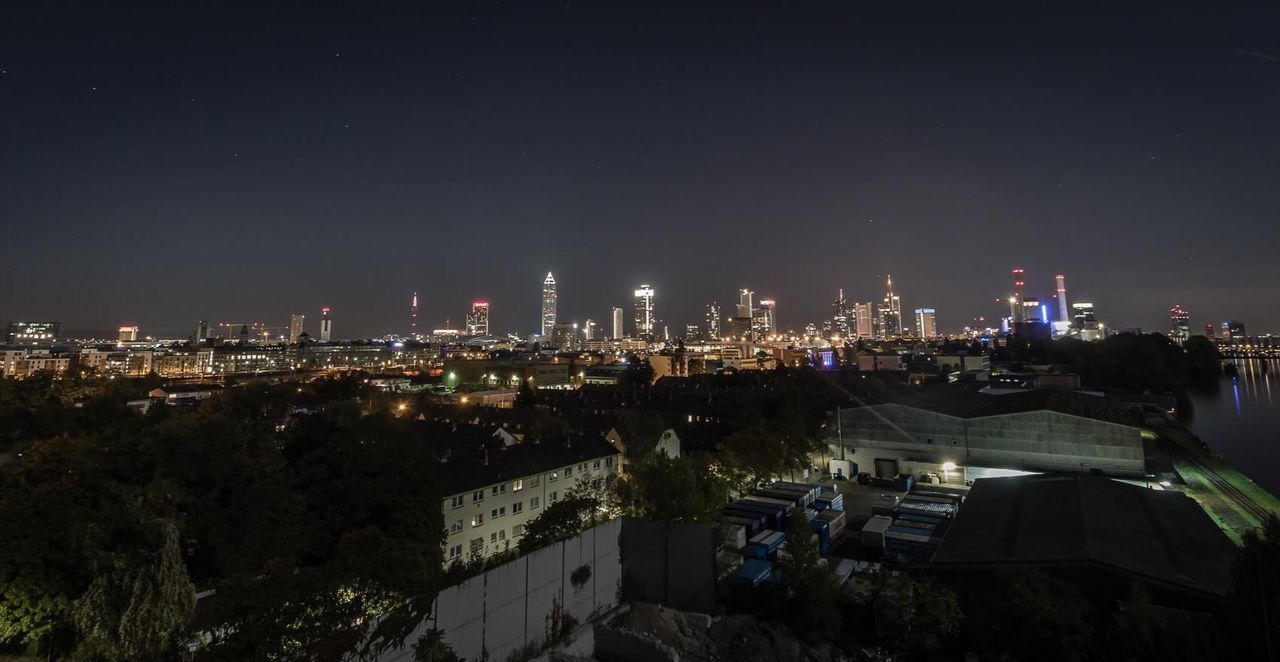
170, 162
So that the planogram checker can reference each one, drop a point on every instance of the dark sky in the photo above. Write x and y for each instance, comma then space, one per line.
168, 162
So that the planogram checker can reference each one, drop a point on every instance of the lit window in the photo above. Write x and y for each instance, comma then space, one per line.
517, 485
477, 519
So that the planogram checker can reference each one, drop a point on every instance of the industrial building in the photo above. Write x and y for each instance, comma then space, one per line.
960, 434
1093, 525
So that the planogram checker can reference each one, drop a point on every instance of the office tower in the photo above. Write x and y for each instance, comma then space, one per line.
32, 333
128, 334
563, 336
864, 321
713, 321
1208, 330
1233, 330
326, 325
1031, 310
413, 317
840, 317
589, 330
619, 321
295, 327
745, 306
1015, 301
692, 333
766, 319
926, 323
1181, 324
891, 313
644, 312
202, 331
1062, 299
478, 319
738, 328
548, 304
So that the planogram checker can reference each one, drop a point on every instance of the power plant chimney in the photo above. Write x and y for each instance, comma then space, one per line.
1062, 299
1016, 302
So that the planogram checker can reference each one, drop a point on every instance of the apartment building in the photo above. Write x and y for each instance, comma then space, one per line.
491, 495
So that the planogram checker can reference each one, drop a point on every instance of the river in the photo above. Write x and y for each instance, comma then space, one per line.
1241, 422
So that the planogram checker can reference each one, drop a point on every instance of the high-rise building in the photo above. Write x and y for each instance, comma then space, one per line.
692, 333
645, 318
1208, 330
564, 336
1181, 324
891, 313
1031, 310
926, 323
128, 334
295, 327
841, 324
589, 330
745, 305
619, 321
478, 320
202, 331
326, 325
766, 319
1083, 315
713, 321
413, 317
32, 333
548, 304
1233, 329
864, 320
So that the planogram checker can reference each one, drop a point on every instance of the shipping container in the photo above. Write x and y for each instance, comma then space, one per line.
753, 571
765, 544
872, 534
775, 517
842, 568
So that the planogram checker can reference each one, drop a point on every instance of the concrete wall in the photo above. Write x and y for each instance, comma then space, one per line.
669, 563
512, 605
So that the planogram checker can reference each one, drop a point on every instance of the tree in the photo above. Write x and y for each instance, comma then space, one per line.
811, 587
686, 488
580, 507
1015, 612
915, 613
431, 647
1254, 616
638, 373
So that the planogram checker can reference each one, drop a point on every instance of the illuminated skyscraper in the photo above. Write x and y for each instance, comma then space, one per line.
864, 320
841, 323
619, 324
413, 317
1181, 320
548, 304
478, 320
295, 327
926, 323
644, 312
326, 325
589, 330
128, 334
891, 313
713, 321
765, 321
745, 305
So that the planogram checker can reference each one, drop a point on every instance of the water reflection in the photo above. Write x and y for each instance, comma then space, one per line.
1245, 429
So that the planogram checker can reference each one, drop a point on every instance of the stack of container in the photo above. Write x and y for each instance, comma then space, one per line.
835, 521
872, 534
765, 544
829, 499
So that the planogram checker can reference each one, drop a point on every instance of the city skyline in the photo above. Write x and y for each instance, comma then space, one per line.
171, 149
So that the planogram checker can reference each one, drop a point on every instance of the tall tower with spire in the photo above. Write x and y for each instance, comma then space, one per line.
548, 304
413, 317
891, 312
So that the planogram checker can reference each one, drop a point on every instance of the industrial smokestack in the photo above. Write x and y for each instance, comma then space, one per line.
1062, 299
1016, 302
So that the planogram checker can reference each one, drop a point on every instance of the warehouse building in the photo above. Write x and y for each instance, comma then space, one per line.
961, 435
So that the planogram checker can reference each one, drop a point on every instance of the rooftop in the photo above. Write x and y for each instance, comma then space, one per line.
465, 472
1053, 519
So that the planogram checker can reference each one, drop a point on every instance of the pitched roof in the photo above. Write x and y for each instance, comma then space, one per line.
1055, 519
466, 472
967, 403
